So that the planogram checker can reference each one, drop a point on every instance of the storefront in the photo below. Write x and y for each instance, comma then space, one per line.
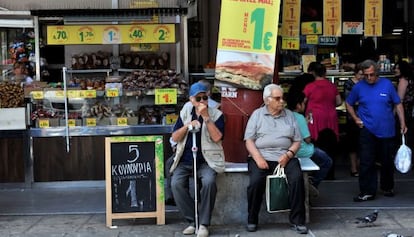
134, 85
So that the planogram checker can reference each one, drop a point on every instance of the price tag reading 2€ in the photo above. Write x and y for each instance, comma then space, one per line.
166, 96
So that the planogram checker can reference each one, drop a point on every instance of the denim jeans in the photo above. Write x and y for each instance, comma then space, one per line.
324, 161
372, 149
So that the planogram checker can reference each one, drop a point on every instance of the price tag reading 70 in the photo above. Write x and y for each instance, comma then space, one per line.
60, 35
261, 40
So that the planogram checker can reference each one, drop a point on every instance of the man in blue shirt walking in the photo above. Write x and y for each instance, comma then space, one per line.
377, 100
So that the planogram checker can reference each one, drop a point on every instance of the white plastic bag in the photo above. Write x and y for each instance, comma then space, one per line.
403, 158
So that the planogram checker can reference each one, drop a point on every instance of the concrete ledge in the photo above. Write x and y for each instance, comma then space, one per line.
231, 202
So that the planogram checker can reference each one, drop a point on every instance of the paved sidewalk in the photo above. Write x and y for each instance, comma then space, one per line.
338, 223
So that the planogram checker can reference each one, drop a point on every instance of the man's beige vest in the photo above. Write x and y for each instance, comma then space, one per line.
213, 152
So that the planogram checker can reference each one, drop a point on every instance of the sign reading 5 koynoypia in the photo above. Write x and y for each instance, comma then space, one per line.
134, 178
247, 42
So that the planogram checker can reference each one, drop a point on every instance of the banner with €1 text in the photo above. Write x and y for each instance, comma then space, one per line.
247, 42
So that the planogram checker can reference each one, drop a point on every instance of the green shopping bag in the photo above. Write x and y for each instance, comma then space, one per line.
277, 191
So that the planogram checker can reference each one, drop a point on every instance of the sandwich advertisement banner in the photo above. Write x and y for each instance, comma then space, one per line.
247, 42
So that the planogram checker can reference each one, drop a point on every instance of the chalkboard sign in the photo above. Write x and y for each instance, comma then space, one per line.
134, 178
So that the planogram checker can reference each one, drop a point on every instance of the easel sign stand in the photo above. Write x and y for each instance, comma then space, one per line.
134, 178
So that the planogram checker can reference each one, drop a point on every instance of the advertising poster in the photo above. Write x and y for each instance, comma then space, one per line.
247, 42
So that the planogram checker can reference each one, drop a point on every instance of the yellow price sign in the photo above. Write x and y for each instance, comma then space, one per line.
122, 121
86, 34
136, 33
73, 94
71, 122
91, 122
166, 96
58, 35
112, 92
290, 43
111, 35
162, 33
59, 94
171, 119
37, 95
312, 39
312, 28
44, 123
88, 94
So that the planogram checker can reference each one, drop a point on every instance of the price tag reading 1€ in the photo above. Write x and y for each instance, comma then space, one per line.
290, 43
122, 121
166, 96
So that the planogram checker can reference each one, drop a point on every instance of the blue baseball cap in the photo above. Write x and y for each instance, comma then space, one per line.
197, 88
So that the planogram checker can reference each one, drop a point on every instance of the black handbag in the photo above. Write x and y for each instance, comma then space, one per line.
277, 191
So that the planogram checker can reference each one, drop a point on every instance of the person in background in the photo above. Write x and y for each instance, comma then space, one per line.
322, 98
352, 130
210, 158
20, 74
272, 137
301, 81
377, 99
404, 73
296, 103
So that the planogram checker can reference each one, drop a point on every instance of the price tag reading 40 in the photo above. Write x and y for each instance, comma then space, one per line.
166, 96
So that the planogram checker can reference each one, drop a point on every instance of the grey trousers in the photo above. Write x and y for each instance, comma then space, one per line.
183, 193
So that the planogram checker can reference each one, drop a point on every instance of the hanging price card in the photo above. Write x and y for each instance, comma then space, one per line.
37, 95
289, 43
373, 18
312, 28
122, 121
43, 123
165, 96
332, 16
91, 122
112, 92
291, 18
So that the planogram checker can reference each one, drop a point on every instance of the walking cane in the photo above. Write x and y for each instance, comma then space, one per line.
194, 149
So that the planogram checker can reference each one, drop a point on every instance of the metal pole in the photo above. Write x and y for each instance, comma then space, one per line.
66, 110
194, 130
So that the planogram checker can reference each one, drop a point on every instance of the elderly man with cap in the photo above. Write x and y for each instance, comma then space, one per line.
209, 122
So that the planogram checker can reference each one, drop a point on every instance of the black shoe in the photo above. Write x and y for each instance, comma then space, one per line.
364, 197
251, 227
170, 202
389, 193
300, 229
354, 174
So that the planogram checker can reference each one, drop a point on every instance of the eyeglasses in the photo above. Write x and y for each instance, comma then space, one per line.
276, 98
199, 98
370, 75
